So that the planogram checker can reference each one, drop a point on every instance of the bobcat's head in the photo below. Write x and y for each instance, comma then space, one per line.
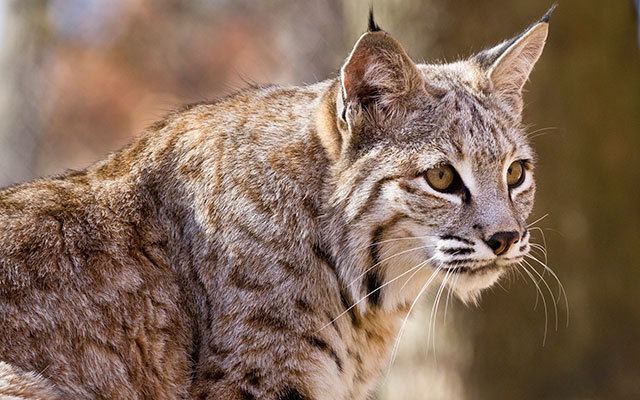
434, 176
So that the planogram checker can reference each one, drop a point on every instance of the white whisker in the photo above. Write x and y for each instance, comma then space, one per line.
502, 287
561, 289
544, 239
386, 259
399, 239
524, 279
540, 248
394, 351
538, 220
544, 281
373, 291
544, 302
431, 331
446, 304
541, 132
414, 273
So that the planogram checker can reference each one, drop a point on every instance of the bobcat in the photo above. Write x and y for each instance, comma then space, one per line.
268, 245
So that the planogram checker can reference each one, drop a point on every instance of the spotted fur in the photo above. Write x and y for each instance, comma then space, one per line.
256, 247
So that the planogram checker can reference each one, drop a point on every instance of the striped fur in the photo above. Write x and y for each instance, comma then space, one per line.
246, 248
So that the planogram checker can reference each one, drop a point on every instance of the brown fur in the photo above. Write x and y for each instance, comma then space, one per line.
215, 256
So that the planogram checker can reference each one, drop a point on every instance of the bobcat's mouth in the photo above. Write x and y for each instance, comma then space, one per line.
463, 269
472, 276
472, 267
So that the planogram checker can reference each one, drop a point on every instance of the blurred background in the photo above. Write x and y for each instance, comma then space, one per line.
81, 77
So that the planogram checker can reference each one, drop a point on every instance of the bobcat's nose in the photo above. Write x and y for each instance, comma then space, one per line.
500, 242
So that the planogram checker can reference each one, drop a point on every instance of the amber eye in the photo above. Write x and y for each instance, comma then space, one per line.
515, 174
442, 178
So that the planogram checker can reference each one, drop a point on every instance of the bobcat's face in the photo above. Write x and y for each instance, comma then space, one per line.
466, 191
434, 173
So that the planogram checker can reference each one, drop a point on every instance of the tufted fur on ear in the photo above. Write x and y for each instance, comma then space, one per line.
378, 78
509, 64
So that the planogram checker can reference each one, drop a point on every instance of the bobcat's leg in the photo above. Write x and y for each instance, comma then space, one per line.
16, 384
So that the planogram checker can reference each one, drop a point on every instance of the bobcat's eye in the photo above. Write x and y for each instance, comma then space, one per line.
442, 178
515, 174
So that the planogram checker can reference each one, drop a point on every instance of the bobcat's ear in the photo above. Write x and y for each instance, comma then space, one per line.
378, 75
509, 64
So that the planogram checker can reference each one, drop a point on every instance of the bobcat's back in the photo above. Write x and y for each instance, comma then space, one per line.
87, 295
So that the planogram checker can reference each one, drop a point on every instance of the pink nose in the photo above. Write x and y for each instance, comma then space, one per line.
501, 242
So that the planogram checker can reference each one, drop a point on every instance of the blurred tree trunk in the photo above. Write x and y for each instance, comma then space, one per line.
22, 87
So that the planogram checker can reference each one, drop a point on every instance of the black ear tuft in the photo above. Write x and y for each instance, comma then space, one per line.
373, 27
547, 15
487, 57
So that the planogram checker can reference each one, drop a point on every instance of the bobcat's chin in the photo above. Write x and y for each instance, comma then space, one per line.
470, 284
